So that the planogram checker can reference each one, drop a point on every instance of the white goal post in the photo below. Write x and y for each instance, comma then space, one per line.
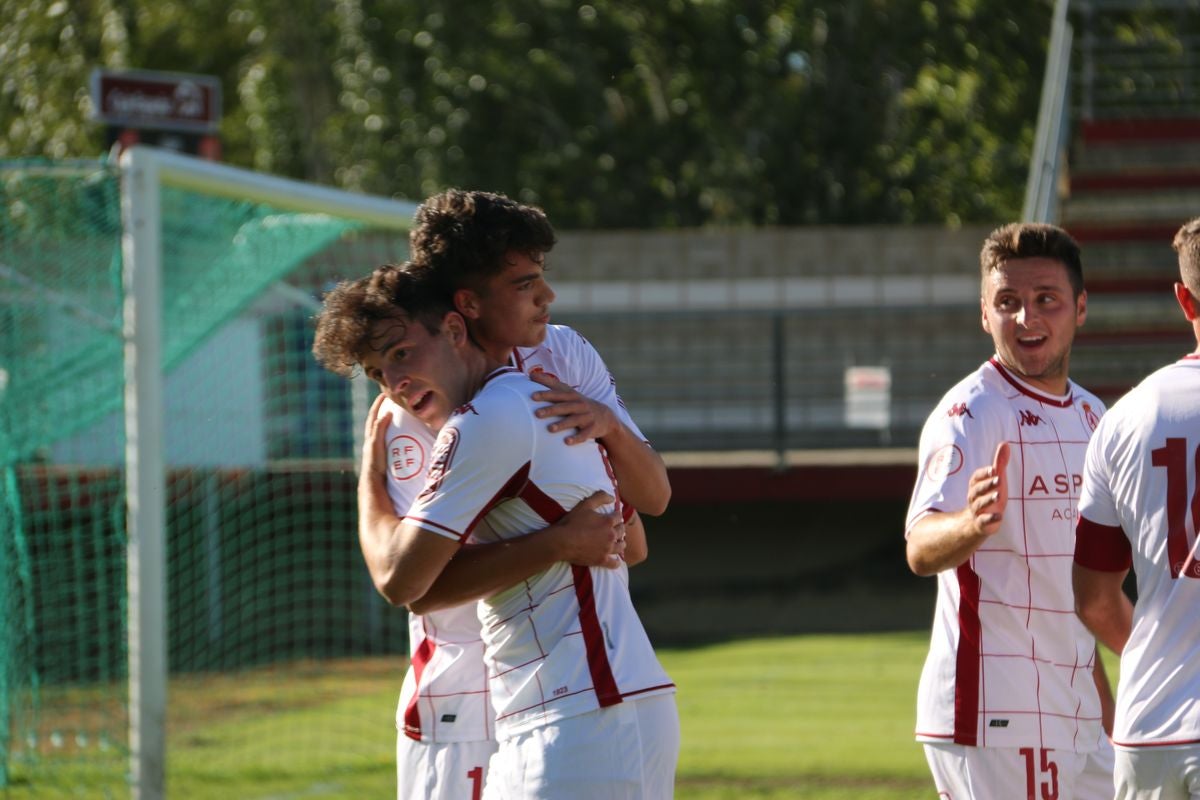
144, 170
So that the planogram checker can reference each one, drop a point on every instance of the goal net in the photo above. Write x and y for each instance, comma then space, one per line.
180, 580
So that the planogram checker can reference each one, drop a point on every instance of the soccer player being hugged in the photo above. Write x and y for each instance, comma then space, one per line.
1013, 700
484, 254
1141, 508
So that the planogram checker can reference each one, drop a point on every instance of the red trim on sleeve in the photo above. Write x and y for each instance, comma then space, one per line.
513, 487
1104, 548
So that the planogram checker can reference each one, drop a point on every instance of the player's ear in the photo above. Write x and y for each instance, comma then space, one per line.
983, 318
1187, 301
455, 327
466, 302
1081, 308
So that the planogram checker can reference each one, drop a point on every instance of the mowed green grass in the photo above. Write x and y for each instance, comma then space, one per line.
817, 717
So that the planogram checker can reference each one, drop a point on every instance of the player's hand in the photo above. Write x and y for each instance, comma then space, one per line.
987, 492
374, 452
591, 537
590, 419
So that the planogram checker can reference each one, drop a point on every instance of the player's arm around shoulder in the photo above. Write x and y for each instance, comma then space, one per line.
587, 536
594, 410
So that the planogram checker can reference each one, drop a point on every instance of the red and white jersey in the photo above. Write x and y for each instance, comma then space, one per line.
1009, 664
445, 695
566, 355
567, 640
1141, 504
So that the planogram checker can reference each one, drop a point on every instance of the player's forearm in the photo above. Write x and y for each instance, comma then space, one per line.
641, 473
377, 526
389, 547
942, 541
1102, 605
636, 548
482, 570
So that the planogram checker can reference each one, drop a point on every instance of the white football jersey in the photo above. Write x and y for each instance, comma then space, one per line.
566, 355
1141, 498
565, 641
445, 693
444, 697
1009, 664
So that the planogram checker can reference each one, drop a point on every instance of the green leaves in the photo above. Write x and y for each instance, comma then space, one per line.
611, 114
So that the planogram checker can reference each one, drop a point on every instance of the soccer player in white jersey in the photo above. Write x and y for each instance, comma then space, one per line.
583, 708
1012, 696
1141, 507
445, 717
489, 251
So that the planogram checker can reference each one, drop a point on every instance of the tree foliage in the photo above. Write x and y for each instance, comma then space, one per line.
610, 114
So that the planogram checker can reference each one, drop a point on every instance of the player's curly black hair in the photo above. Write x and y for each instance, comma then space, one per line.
351, 309
1032, 240
464, 236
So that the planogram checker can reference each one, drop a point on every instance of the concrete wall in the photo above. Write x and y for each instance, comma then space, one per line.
766, 268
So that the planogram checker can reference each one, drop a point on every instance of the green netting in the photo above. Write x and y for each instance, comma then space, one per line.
264, 576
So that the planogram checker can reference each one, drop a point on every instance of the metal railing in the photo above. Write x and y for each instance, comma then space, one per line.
1041, 189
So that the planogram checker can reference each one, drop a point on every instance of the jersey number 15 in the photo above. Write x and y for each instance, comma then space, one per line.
1173, 456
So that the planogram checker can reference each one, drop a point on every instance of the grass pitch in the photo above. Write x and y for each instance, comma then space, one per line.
818, 717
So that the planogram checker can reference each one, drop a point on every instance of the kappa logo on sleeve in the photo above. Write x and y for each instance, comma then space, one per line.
440, 461
959, 410
944, 462
406, 457
1092, 418
466, 408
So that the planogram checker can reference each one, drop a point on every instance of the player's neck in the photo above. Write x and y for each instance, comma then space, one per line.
501, 355
479, 367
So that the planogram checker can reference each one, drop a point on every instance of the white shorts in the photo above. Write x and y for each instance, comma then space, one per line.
441, 770
1005, 773
623, 752
1158, 773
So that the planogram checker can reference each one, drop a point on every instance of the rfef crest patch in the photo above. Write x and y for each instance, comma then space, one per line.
406, 457
944, 462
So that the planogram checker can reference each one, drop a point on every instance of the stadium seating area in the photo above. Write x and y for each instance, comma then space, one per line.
1132, 183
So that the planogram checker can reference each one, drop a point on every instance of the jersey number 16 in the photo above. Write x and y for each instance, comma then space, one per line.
1173, 456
